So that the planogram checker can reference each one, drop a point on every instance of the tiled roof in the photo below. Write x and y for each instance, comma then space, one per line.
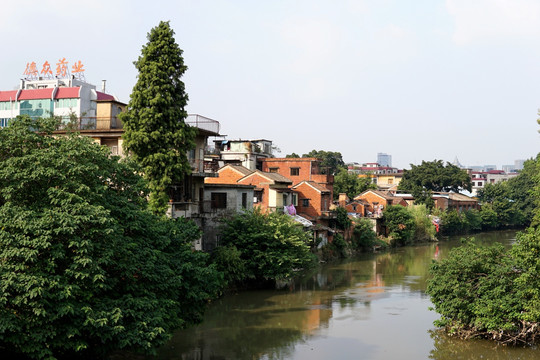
8, 95
275, 176
67, 93
104, 97
241, 169
315, 185
35, 94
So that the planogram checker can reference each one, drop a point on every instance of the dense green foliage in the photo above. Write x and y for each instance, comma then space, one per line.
490, 292
512, 201
331, 161
84, 265
423, 227
342, 220
266, 246
156, 135
487, 291
400, 224
363, 235
422, 180
351, 184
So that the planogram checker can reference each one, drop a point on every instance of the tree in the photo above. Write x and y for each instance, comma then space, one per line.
513, 201
351, 184
293, 155
422, 180
333, 161
85, 266
156, 134
271, 245
399, 223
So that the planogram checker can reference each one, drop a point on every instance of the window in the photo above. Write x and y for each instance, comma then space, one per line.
390, 181
244, 200
354, 207
305, 202
294, 199
295, 171
219, 200
257, 196
273, 169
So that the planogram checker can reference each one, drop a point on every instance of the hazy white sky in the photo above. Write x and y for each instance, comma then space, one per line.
417, 79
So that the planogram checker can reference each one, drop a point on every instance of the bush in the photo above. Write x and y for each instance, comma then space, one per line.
363, 235
228, 260
85, 266
473, 219
489, 218
452, 222
271, 246
342, 219
473, 291
424, 228
400, 224
490, 292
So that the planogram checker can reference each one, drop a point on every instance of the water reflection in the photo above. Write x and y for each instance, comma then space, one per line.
371, 307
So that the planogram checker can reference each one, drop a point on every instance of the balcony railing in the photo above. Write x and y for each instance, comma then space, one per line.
203, 123
90, 123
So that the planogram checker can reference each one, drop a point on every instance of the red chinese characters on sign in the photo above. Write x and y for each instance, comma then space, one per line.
46, 71
62, 71
62, 68
31, 71
77, 68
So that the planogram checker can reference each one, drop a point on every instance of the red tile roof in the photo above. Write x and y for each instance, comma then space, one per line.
104, 97
36, 94
8, 95
67, 93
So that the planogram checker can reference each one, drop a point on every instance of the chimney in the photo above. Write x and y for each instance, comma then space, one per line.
342, 200
103, 85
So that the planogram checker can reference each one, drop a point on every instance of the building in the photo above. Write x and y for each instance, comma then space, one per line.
300, 169
221, 200
377, 201
479, 179
248, 153
384, 159
78, 104
272, 191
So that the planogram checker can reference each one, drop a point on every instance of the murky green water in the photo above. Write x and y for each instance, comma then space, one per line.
373, 307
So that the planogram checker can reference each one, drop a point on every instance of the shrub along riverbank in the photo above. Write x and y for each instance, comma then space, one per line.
488, 292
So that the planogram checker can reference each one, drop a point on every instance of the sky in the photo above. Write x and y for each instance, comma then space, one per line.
416, 79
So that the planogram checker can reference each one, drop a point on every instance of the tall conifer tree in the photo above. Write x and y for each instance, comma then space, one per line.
156, 134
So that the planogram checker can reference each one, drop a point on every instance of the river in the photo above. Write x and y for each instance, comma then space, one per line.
369, 307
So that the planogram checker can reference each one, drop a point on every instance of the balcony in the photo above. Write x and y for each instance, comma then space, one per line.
209, 126
90, 124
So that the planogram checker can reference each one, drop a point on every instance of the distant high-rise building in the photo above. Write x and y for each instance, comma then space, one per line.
518, 164
490, 167
384, 159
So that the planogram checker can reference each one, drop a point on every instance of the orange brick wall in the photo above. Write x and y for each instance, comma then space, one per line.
371, 198
359, 209
306, 167
316, 200
259, 182
226, 176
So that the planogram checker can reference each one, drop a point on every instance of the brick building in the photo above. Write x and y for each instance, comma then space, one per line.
300, 169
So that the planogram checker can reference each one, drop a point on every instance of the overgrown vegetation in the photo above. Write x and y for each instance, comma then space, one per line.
486, 291
85, 267
262, 246
400, 225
